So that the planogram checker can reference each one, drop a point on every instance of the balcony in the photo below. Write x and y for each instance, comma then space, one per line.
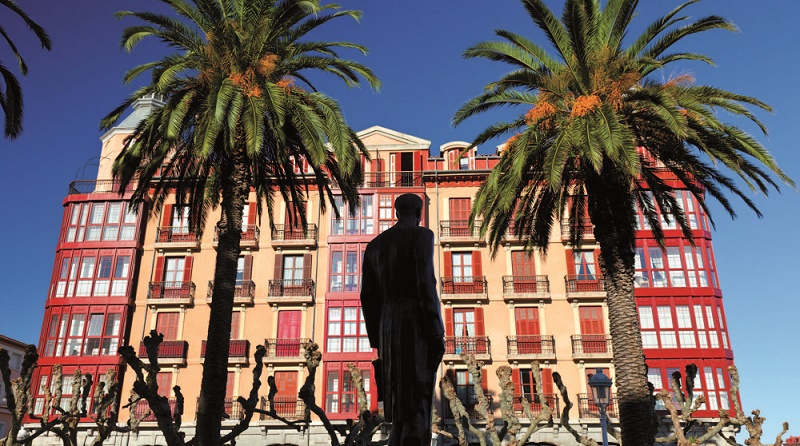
454, 346
250, 237
288, 407
291, 292
176, 237
458, 232
588, 229
587, 286
170, 293
464, 288
591, 346
535, 404
529, 347
142, 407
243, 294
238, 351
519, 288
392, 179
285, 350
169, 352
470, 403
587, 409
81, 187
289, 236
233, 410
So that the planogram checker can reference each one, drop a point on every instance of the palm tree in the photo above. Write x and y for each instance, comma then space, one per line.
11, 97
597, 135
234, 120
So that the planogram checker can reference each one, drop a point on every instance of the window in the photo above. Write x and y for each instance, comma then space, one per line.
173, 271
460, 209
345, 268
462, 267
346, 331
363, 222
525, 384
386, 214
292, 269
75, 337
465, 273
16, 363
100, 221
584, 265
466, 329
341, 400
167, 324
91, 275
593, 332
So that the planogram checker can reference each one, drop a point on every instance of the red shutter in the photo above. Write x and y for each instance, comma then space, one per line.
278, 267
236, 319
480, 329
547, 381
527, 320
448, 265
251, 214
159, 273
517, 380
286, 382
166, 215
484, 380
164, 381
591, 318
570, 261
248, 268
306, 266
448, 322
229, 384
187, 269
477, 270
417, 162
289, 324
167, 324
451, 375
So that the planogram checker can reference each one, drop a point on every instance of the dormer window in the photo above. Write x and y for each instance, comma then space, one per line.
463, 163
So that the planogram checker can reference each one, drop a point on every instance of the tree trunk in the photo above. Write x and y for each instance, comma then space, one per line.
211, 405
611, 209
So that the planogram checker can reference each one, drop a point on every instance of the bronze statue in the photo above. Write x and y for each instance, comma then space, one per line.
404, 322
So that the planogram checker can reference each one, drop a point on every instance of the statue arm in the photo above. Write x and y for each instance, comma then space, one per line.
371, 299
427, 284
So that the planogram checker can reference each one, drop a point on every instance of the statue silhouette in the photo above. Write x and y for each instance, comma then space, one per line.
404, 322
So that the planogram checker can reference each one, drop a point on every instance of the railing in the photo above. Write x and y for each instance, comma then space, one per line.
535, 404
175, 234
588, 228
167, 350
584, 283
531, 345
289, 288
287, 407
392, 179
238, 348
526, 284
250, 233
233, 410
470, 403
587, 408
97, 187
476, 345
287, 233
464, 285
459, 228
285, 348
171, 290
591, 344
142, 407
243, 289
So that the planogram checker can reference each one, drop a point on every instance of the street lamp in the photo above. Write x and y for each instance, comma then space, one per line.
601, 392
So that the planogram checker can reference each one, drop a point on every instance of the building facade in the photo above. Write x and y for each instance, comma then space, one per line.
16, 353
299, 285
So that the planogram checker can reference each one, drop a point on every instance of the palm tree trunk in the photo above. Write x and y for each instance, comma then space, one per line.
611, 208
211, 405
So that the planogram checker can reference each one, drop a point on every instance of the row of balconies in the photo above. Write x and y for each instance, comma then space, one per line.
523, 347
289, 408
279, 351
180, 237
300, 291
457, 231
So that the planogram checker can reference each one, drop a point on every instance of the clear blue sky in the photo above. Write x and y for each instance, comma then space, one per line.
416, 48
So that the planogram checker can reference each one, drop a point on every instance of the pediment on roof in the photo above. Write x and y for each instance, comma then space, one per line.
381, 136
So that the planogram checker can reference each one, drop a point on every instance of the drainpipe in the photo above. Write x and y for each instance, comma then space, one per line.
316, 270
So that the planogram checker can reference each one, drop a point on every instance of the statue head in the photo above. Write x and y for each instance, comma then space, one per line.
408, 206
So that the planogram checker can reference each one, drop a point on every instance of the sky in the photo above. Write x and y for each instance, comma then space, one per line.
415, 48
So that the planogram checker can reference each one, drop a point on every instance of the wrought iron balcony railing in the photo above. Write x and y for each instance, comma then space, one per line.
392, 179
587, 408
289, 234
238, 348
250, 235
535, 404
464, 285
285, 348
470, 403
588, 228
171, 290
245, 290
167, 350
288, 407
531, 345
142, 407
459, 229
175, 234
585, 283
291, 288
476, 345
592, 345
97, 187
526, 285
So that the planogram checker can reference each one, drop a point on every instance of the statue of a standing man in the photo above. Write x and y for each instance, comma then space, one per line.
404, 322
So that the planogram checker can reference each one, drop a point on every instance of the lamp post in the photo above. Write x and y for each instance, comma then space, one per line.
601, 392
